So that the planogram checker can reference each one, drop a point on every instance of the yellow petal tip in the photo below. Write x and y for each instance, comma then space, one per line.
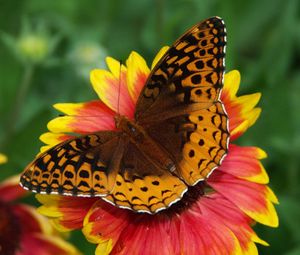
3, 159
104, 248
159, 55
232, 82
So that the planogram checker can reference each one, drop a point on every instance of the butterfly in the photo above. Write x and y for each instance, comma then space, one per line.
178, 136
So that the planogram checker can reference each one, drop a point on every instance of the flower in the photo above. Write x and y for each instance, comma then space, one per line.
85, 55
34, 45
214, 217
24, 231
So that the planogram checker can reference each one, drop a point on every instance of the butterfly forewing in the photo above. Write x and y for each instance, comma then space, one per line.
78, 167
190, 74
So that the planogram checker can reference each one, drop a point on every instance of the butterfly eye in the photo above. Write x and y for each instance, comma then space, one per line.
131, 128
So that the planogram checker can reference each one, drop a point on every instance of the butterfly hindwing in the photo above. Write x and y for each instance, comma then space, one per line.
142, 186
196, 141
78, 167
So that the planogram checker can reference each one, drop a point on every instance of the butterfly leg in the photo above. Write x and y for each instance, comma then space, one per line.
115, 163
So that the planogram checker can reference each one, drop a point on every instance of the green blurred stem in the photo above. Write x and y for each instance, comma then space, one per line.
293, 178
17, 106
159, 20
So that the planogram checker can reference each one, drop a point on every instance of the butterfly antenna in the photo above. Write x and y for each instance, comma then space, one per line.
118, 104
119, 89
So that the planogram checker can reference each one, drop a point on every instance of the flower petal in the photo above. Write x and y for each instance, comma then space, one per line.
159, 55
104, 248
31, 221
204, 235
115, 66
191, 232
10, 189
66, 212
243, 162
218, 207
253, 199
92, 108
3, 159
52, 139
231, 85
144, 235
82, 118
113, 91
137, 74
105, 222
38, 244
241, 110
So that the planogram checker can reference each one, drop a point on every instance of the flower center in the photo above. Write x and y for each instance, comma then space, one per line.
9, 230
188, 200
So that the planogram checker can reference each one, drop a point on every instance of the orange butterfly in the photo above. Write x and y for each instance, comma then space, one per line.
178, 136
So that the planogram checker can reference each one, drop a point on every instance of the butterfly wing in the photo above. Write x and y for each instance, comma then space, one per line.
83, 166
142, 186
190, 74
197, 141
179, 105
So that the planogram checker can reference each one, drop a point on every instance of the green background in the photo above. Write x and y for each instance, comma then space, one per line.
263, 44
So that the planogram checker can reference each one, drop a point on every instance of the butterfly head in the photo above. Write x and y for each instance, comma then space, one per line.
123, 123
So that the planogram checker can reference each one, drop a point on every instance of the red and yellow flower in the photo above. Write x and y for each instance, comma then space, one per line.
217, 221
22, 230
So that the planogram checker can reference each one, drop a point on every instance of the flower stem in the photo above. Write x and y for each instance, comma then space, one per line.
293, 175
13, 117
159, 20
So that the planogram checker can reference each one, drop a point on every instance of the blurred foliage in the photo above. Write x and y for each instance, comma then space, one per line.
73, 36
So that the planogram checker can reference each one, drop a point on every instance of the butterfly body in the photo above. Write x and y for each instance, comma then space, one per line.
137, 135
178, 136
